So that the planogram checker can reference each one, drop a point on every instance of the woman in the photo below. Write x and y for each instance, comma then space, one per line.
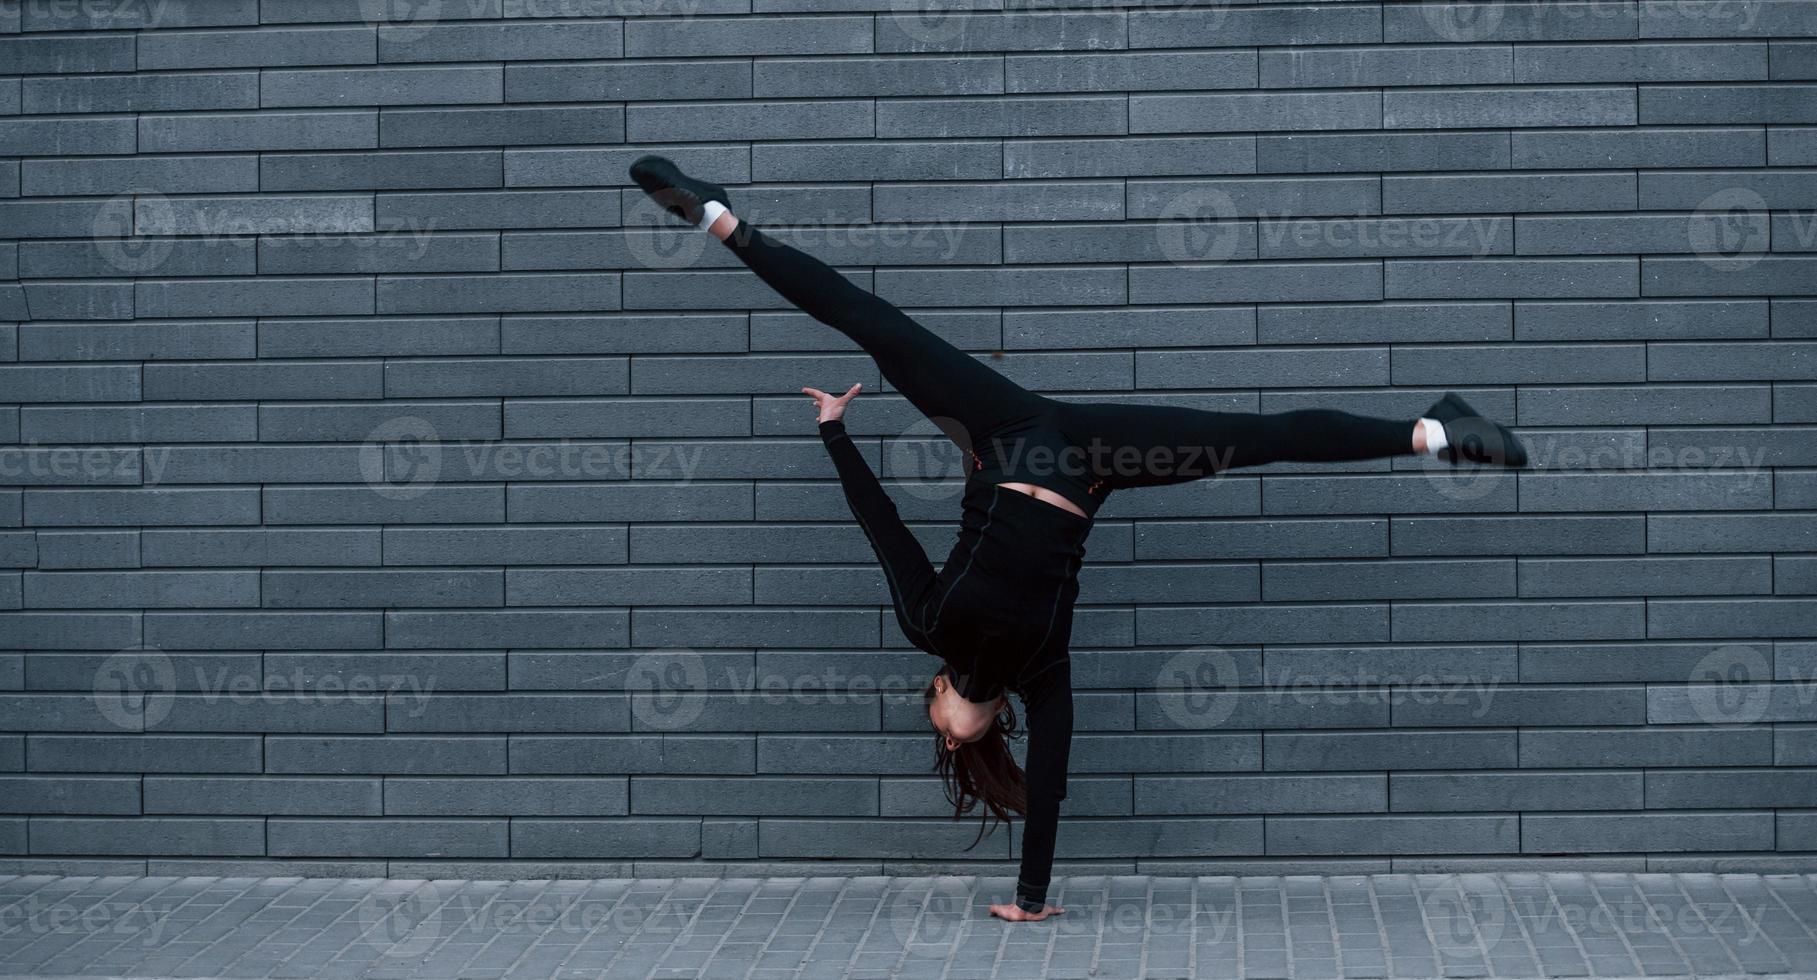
999, 613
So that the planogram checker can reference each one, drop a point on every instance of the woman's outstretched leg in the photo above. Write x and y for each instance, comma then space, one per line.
944, 383
1129, 446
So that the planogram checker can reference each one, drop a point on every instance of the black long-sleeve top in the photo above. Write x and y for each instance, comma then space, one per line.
998, 613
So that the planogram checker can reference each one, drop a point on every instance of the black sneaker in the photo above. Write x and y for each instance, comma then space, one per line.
1469, 436
679, 194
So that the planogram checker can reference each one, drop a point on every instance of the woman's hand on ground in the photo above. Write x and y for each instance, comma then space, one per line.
1013, 912
828, 406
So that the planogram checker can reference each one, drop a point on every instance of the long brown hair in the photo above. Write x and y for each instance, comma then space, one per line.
982, 770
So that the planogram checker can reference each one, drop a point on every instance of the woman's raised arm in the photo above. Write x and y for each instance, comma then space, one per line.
905, 564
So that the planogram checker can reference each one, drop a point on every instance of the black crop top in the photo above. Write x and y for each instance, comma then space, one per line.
998, 613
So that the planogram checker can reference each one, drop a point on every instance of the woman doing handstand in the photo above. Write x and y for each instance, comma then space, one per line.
999, 612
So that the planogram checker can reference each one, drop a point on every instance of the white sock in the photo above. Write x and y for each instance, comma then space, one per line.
1435, 436
709, 213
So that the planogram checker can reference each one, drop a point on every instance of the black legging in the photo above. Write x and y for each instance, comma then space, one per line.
1015, 614
1129, 445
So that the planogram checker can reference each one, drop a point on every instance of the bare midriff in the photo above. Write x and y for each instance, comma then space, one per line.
1045, 496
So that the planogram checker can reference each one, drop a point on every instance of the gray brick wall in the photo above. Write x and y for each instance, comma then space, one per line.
388, 487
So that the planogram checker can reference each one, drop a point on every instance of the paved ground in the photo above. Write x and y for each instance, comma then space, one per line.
1378, 926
